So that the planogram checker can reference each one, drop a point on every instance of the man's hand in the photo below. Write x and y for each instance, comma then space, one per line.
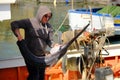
19, 38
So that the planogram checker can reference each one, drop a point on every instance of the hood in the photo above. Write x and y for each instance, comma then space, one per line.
42, 10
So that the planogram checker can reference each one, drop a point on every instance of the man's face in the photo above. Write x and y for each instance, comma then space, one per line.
46, 18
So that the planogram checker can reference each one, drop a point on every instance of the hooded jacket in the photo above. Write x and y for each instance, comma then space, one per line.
37, 35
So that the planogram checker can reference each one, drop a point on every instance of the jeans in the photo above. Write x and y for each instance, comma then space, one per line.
35, 72
35, 67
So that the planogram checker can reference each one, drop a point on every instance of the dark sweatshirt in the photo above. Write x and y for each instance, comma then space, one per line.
36, 36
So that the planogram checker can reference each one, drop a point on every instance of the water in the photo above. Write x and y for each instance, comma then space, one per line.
27, 9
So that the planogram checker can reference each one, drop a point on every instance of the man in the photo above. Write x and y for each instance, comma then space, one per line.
38, 34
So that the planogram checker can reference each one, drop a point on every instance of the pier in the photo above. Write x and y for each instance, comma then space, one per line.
59, 0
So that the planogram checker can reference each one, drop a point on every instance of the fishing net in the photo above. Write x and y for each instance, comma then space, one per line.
112, 10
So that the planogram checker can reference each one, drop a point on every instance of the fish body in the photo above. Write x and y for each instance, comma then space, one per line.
50, 58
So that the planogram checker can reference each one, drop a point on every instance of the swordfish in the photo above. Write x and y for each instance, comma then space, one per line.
50, 58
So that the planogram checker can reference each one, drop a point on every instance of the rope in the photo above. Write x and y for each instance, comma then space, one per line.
91, 18
97, 53
61, 24
65, 16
